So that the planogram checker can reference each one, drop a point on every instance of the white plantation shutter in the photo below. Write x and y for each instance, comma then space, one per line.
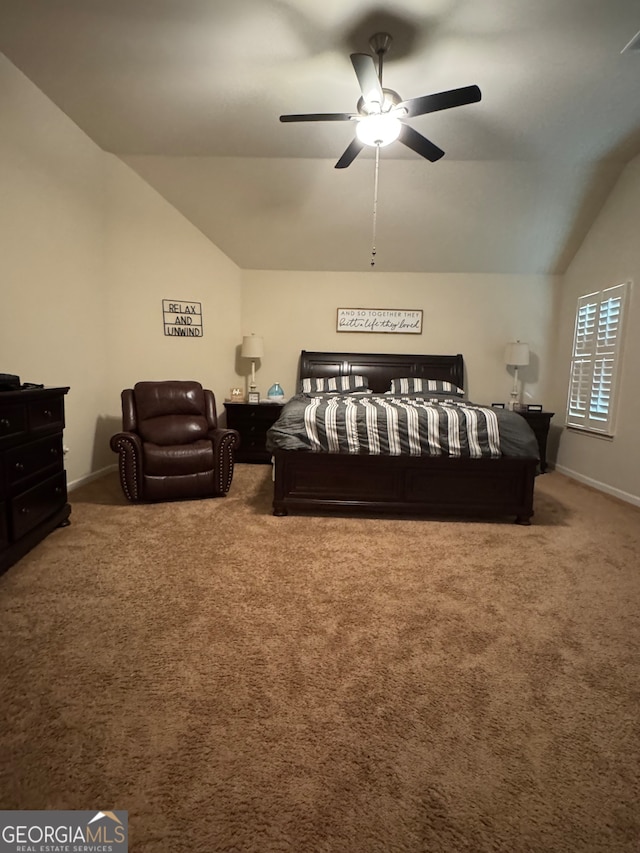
597, 347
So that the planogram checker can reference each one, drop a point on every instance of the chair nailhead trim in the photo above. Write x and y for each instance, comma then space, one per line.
126, 447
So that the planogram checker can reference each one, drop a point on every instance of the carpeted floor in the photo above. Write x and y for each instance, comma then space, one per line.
240, 682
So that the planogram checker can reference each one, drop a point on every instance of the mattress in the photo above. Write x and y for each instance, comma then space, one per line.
395, 424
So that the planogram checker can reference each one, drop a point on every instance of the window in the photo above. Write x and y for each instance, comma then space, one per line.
596, 355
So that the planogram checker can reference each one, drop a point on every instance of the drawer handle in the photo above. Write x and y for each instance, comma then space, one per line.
24, 510
4, 423
47, 413
58, 490
19, 466
54, 451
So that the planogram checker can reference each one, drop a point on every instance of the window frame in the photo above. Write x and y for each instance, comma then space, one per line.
596, 358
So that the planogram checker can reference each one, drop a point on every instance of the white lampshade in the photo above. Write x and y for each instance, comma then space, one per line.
378, 129
516, 354
252, 347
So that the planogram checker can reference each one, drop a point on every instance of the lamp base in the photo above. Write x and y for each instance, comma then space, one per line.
252, 383
514, 402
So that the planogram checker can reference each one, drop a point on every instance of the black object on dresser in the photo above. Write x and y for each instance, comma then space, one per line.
33, 483
252, 420
539, 423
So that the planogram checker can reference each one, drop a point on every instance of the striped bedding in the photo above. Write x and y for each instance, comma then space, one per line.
399, 425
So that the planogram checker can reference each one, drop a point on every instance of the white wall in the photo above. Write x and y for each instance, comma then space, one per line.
88, 253
609, 255
472, 314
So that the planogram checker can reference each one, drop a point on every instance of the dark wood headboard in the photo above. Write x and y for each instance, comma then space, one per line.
381, 368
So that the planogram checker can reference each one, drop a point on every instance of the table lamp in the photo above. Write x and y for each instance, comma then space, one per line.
253, 348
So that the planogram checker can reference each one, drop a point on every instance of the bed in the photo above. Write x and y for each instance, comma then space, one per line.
396, 482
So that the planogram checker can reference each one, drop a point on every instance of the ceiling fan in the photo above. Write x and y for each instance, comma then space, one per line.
381, 113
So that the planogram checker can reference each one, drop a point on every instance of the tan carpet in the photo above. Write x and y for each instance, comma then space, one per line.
240, 682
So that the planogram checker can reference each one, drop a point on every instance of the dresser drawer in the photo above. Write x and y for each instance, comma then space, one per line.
28, 459
245, 415
254, 428
47, 414
251, 416
4, 533
253, 440
13, 422
28, 509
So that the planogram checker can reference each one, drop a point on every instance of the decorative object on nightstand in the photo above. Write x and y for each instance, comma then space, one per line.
539, 421
252, 422
236, 395
275, 394
516, 355
253, 348
253, 397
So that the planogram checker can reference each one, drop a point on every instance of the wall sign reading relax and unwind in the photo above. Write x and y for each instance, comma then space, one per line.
393, 320
182, 319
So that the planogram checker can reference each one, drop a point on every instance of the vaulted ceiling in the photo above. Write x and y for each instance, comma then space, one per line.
189, 93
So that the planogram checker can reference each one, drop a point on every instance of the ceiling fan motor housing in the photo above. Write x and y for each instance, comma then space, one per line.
391, 99
380, 43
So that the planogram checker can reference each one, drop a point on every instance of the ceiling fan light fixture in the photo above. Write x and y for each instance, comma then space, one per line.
378, 129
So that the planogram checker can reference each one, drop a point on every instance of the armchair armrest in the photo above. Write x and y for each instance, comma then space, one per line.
128, 446
224, 443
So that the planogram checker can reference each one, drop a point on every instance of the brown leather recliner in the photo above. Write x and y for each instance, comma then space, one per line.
171, 447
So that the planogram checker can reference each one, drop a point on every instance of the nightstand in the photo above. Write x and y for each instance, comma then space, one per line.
539, 423
252, 420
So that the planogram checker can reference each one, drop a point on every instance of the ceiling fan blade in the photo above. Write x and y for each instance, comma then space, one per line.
441, 101
319, 117
365, 69
420, 144
350, 154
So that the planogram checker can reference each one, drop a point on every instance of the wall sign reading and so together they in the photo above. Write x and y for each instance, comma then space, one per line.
182, 319
393, 320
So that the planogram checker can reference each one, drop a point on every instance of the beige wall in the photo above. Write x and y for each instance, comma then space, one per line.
52, 259
153, 253
609, 255
88, 253
472, 314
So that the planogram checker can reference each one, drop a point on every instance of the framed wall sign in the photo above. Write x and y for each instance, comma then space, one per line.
182, 319
397, 321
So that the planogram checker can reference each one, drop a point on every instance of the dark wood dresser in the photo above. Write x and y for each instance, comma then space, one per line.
252, 420
33, 483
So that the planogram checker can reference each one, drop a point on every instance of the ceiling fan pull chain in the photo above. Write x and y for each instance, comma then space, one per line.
375, 206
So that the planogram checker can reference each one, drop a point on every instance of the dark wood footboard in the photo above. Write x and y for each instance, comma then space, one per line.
315, 482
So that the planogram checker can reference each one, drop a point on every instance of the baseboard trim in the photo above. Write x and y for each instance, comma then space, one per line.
601, 487
88, 478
